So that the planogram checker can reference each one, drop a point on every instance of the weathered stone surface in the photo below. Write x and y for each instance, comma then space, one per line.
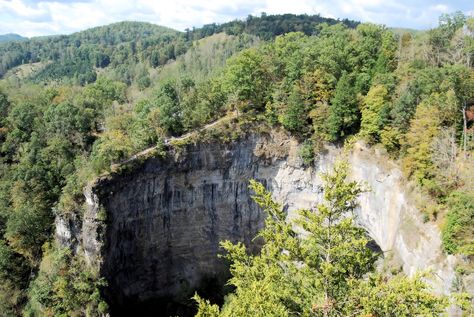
165, 218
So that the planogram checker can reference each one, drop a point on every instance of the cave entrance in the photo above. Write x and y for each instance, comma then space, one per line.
181, 304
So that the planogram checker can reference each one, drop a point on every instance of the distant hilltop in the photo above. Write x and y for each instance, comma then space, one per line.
11, 37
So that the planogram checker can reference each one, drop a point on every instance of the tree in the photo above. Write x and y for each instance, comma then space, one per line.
373, 104
324, 270
14, 274
344, 114
317, 87
248, 77
20, 123
387, 61
112, 147
4, 107
65, 286
331, 49
170, 109
423, 129
457, 232
440, 37
367, 46
295, 116
288, 50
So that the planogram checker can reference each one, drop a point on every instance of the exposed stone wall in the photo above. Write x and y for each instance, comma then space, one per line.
164, 219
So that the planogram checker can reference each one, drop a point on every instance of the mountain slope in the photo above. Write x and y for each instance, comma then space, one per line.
121, 45
11, 37
77, 54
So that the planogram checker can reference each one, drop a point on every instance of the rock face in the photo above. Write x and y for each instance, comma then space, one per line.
165, 221
154, 231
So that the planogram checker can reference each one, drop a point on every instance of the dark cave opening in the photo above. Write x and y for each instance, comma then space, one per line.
181, 304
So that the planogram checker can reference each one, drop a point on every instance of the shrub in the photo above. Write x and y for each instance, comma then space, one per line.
307, 152
457, 234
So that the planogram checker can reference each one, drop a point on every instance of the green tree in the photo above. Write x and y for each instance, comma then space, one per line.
4, 107
248, 77
367, 45
20, 124
101, 94
330, 49
29, 224
344, 114
288, 59
386, 61
168, 102
424, 128
112, 147
65, 287
14, 274
372, 107
457, 234
324, 270
294, 118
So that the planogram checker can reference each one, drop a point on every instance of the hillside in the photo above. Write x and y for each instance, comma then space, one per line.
76, 56
125, 149
128, 47
267, 27
11, 37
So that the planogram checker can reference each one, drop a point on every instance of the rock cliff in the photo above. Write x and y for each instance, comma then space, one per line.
154, 231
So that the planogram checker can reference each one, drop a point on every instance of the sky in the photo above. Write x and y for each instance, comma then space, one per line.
46, 17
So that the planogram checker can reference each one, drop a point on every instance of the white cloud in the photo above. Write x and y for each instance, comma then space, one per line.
31, 18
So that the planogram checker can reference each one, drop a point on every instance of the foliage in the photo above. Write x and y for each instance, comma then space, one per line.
307, 152
248, 77
268, 26
294, 117
113, 147
64, 287
327, 271
94, 98
344, 114
390, 139
74, 56
424, 128
457, 231
373, 105
399, 296
13, 278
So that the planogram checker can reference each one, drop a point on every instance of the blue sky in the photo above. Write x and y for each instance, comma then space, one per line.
45, 17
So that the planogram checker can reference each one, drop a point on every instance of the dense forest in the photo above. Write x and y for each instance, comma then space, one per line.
73, 105
125, 44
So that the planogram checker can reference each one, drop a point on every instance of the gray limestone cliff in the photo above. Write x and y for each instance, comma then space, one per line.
154, 231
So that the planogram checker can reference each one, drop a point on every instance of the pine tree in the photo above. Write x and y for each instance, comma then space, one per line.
318, 266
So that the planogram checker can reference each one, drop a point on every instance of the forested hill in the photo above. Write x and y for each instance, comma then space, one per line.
78, 56
268, 26
11, 37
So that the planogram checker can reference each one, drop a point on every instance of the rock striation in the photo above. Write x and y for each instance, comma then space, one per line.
154, 231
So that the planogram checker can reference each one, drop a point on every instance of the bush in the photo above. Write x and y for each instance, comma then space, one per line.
144, 82
457, 234
65, 287
307, 152
111, 148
